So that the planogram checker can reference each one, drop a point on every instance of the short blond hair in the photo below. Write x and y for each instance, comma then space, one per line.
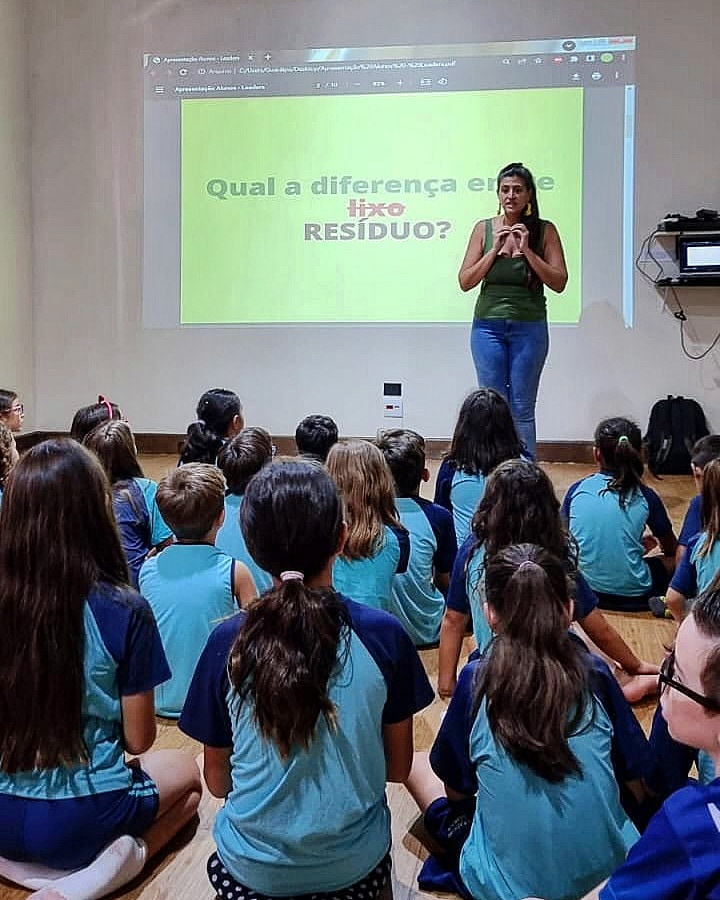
190, 499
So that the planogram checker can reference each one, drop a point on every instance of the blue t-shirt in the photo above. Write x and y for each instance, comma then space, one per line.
139, 521
695, 572
466, 594
530, 836
318, 820
190, 590
370, 580
415, 600
460, 492
609, 536
123, 657
230, 540
678, 856
692, 523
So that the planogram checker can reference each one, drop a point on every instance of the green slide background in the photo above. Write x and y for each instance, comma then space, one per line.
246, 260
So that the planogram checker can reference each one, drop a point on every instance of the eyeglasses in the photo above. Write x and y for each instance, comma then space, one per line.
665, 679
17, 408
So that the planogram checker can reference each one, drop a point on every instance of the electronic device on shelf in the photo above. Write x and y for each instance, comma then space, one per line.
703, 220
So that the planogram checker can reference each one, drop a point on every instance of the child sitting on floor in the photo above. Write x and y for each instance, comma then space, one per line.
418, 595
142, 528
81, 656
607, 514
484, 436
191, 585
521, 786
305, 706
239, 460
377, 545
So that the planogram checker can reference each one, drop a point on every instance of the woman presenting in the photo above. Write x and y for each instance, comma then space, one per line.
515, 255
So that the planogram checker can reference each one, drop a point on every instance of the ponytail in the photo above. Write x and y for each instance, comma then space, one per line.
619, 445
295, 635
284, 657
710, 508
534, 683
201, 445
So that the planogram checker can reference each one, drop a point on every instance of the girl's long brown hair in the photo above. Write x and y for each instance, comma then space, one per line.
368, 491
287, 650
710, 505
58, 538
533, 681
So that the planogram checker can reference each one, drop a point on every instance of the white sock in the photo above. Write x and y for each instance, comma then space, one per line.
117, 864
29, 875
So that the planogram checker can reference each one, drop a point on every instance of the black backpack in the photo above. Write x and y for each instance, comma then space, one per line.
675, 425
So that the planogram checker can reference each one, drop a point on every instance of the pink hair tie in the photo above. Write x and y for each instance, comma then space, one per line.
292, 575
107, 404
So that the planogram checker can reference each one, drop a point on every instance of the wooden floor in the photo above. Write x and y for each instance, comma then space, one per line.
179, 873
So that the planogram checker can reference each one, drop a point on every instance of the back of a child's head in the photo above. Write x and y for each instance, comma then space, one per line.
710, 505
89, 417
618, 442
243, 456
315, 435
7, 399
404, 452
113, 444
706, 612
58, 539
704, 450
191, 499
366, 487
534, 681
519, 506
292, 519
485, 433
8, 453
219, 412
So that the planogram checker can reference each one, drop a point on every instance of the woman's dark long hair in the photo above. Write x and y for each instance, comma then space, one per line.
619, 444
485, 434
287, 649
519, 506
215, 411
533, 681
58, 539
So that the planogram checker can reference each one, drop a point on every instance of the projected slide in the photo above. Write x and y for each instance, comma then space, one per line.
358, 209
340, 185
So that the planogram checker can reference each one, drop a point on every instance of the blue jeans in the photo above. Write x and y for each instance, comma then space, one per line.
509, 356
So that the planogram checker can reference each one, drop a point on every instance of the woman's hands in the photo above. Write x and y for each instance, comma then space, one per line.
511, 240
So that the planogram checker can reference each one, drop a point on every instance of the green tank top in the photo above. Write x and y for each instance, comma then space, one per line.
505, 293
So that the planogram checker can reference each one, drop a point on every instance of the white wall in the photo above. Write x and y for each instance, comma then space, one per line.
16, 338
86, 104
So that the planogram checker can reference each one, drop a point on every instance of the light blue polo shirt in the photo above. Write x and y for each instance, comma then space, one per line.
231, 541
415, 600
190, 589
609, 536
461, 493
159, 529
370, 580
530, 836
695, 572
123, 657
317, 821
466, 594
